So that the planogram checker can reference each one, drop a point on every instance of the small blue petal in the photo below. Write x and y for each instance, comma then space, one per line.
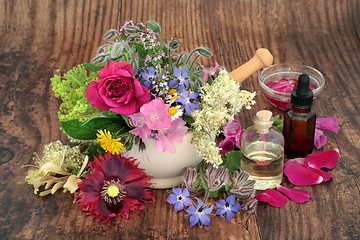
181, 100
147, 84
173, 83
191, 210
231, 199
172, 199
179, 206
187, 202
177, 191
177, 72
186, 82
181, 88
229, 215
200, 203
186, 193
194, 95
151, 71
194, 106
205, 220
220, 203
194, 220
187, 109
236, 207
185, 94
208, 210
184, 74
220, 211
144, 75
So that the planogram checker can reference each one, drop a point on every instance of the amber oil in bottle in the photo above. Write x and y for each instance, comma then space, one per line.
299, 121
262, 152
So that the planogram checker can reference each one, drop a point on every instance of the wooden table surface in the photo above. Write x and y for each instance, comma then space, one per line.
39, 37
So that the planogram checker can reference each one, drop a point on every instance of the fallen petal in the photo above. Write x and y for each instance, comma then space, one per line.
326, 159
328, 124
325, 175
319, 139
274, 198
301, 176
299, 196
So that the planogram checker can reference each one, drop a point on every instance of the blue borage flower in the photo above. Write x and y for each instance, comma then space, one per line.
200, 212
149, 77
180, 79
187, 101
179, 198
227, 208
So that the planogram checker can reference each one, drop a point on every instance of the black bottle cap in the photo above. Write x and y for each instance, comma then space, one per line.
302, 96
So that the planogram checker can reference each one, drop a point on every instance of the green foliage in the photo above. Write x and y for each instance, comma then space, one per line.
278, 123
232, 161
71, 89
88, 131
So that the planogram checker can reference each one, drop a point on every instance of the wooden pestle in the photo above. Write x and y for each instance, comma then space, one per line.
261, 59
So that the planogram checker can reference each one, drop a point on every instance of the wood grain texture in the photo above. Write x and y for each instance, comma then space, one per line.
39, 37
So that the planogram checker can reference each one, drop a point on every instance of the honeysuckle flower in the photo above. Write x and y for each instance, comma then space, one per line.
175, 133
187, 101
199, 212
191, 179
211, 73
274, 198
115, 186
324, 124
180, 79
297, 195
156, 114
72, 183
307, 171
228, 207
141, 129
108, 143
149, 77
179, 198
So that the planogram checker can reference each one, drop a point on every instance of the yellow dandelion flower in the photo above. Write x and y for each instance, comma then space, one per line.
108, 143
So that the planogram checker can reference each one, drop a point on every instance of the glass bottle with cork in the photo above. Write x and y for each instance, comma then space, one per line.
262, 151
300, 120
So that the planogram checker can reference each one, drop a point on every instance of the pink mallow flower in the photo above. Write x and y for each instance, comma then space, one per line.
211, 73
156, 114
141, 129
307, 171
324, 124
175, 134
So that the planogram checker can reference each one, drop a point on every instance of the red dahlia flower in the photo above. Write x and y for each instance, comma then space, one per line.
115, 186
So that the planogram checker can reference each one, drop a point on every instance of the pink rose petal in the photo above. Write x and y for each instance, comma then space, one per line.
328, 124
300, 175
326, 159
325, 175
319, 138
299, 196
274, 198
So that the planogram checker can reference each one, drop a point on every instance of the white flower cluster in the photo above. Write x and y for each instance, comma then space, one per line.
220, 102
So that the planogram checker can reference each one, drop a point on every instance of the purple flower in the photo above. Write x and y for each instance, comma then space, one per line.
141, 129
187, 101
227, 208
234, 130
226, 146
149, 77
179, 199
180, 79
201, 213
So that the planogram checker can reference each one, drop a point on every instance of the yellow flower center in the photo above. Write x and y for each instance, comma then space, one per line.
172, 91
174, 98
173, 111
113, 191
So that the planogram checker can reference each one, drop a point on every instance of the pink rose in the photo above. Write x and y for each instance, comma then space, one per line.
118, 90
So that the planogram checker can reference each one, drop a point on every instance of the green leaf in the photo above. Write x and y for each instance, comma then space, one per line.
214, 194
188, 119
92, 67
203, 182
228, 188
94, 150
140, 48
232, 161
78, 130
280, 127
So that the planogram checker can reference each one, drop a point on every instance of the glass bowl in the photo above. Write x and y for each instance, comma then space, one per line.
288, 72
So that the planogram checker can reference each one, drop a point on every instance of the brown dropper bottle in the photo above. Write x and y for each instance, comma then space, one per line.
300, 119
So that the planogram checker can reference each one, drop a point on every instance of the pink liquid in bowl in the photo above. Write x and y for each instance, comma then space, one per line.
284, 85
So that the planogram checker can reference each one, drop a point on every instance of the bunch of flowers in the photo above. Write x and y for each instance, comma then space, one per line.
136, 88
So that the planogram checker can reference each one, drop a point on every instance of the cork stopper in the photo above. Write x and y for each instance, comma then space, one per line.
263, 121
263, 115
